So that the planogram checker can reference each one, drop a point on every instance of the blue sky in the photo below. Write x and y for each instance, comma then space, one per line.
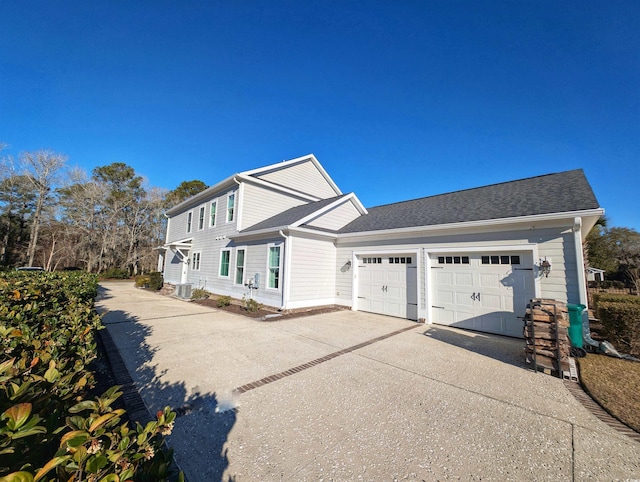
397, 99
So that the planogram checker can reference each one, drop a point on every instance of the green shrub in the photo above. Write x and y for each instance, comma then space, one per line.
223, 301
142, 280
48, 428
621, 323
155, 281
251, 305
115, 273
613, 298
199, 294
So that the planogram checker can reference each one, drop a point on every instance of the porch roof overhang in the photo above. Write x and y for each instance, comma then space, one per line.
179, 246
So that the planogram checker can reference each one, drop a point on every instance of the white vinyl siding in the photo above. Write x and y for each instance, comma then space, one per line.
240, 261
337, 217
260, 203
302, 177
312, 273
225, 260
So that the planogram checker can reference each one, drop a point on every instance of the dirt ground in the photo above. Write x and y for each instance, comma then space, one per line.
269, 314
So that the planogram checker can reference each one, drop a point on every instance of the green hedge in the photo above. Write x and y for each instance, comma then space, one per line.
621, 323
613, 298
155, 281
49, 430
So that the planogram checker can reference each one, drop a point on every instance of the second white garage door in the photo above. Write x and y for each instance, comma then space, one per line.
482, 291
387, 284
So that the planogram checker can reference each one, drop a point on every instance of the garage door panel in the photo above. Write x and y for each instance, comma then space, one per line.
464, 279
482, 294
444, 317
491, 302
463, 299
491, 280
396, 277
443, 278
444, 296
382, 286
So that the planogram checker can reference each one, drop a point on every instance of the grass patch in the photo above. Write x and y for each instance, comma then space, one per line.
614, 384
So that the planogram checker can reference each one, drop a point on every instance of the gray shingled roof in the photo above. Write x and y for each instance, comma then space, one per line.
552, 193
291, 215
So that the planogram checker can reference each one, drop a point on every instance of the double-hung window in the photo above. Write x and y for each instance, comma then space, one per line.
195, 261
231, 206
274, 267
225, 257
189, 221
240, 266
212, 213
201, 218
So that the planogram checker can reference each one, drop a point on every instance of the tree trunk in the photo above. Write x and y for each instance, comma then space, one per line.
35, 227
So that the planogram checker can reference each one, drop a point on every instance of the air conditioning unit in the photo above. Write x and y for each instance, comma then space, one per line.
183, 291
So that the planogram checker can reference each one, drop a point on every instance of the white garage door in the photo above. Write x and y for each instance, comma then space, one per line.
482, 291
387, 284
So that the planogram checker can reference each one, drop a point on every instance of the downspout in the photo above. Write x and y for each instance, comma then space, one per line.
582, 283
287, 270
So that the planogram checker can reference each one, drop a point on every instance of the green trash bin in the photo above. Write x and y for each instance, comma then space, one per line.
575, 324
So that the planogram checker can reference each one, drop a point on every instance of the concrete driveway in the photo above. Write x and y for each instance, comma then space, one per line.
353, 396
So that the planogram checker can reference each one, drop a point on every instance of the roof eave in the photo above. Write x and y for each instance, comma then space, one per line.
197, 198
262, 233
471, 225
351, 197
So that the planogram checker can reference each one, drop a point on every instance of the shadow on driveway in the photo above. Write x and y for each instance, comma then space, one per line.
502, 348
197, 413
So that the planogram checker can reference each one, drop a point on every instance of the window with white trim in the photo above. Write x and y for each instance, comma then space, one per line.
201, 218
231, 205
212, 213
274, 268
225, 258
240, 266
195, 261
189, 221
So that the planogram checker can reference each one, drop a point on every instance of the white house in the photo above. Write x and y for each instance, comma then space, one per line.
287, 236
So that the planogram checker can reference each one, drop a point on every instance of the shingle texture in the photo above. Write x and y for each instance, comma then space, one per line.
552, 193
291, 215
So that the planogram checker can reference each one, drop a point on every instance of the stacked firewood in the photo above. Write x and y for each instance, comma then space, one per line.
546, 335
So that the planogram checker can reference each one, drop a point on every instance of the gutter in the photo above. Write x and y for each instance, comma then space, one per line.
287, 270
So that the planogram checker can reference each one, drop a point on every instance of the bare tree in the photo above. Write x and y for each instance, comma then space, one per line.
43, 169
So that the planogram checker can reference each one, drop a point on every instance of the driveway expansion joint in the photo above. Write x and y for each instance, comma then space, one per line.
291, 371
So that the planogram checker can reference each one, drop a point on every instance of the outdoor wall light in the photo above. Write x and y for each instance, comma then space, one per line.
545, 267
348, 264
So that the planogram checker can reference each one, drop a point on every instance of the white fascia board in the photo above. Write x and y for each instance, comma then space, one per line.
288, 229
275, 187
312, 232
259, 233
197, 198
181, 243
308, 157
349, 197
475, 225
